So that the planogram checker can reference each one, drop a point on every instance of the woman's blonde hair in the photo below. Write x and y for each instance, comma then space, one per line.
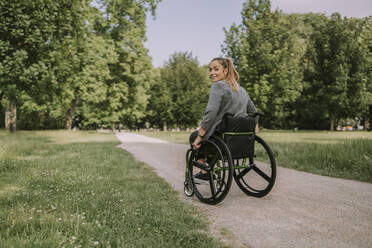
232, 76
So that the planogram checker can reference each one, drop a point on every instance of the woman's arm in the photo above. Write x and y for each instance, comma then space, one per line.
210, 114
213, 106
250, 106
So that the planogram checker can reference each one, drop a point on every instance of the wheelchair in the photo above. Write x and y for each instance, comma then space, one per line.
233, 151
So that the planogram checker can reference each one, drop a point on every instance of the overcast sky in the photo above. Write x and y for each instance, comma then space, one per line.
197, 25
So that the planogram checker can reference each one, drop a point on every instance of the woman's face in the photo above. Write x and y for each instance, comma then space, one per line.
216, 71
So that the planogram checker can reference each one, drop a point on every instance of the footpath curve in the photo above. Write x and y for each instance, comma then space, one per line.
303, 209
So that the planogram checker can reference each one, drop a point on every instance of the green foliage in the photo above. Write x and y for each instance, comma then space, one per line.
30, 33
77, 63
179, 93
68, 63
305, 70
335, 75
267, 53
160, 101
127, 66
366, 46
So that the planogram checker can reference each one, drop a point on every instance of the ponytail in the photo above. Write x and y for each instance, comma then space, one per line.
232, 75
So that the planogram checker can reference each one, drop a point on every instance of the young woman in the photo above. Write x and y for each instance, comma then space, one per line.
226, 96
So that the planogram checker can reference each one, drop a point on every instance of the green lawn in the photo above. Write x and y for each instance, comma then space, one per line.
77, 189
337, 154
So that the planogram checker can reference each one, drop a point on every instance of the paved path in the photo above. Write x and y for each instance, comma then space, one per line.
303, 210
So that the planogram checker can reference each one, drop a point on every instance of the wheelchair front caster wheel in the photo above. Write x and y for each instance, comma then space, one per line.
189, 191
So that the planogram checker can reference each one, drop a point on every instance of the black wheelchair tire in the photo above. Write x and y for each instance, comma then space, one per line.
240, 175
188, 189
223, 155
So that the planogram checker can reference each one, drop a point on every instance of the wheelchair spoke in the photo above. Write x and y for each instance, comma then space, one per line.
211, 184
261, 173
212, 160
199, 165
244, 172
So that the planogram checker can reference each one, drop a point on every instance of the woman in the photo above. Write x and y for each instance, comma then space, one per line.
226, 96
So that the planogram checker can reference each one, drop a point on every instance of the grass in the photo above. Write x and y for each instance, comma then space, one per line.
336, 154
77, 189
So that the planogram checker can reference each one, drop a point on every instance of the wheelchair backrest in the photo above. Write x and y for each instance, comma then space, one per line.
238, 124
238, 134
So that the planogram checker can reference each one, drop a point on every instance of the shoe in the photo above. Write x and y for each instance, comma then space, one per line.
202, 176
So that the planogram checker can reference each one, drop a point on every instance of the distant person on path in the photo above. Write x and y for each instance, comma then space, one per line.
226, 96
120, 126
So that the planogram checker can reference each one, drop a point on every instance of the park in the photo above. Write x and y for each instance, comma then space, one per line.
93, 136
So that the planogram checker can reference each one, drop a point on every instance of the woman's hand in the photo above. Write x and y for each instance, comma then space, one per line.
197, 142
257, 129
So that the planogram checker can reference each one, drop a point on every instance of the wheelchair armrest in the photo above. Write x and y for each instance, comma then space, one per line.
255, 114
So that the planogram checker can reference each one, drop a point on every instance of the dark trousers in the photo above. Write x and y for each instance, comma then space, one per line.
193, 137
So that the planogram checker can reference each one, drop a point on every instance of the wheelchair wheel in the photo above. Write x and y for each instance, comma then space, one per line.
218, 165
255, 176
187, 189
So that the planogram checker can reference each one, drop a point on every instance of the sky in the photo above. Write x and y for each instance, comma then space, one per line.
196, 26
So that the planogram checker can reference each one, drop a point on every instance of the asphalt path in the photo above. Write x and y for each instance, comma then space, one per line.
302, 210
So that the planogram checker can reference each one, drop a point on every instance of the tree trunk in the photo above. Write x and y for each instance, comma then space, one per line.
10, 116
332, 127
164, 126
70, 115
370, 118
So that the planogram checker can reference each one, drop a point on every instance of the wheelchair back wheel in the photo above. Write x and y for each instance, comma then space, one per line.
213, 158
256, 175
187, 187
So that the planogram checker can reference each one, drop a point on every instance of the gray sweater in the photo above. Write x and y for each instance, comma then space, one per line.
222, 100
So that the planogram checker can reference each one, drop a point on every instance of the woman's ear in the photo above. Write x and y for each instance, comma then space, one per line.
225, 71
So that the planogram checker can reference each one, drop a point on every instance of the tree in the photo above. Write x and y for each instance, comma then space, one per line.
335, 72
366, 46
334, 67
28, 31
93, 98
124, 24
266, 54
305, 70
159, 108
359, 60
179, 96
49, 72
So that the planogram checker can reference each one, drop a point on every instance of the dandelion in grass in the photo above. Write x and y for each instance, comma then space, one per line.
98, 224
